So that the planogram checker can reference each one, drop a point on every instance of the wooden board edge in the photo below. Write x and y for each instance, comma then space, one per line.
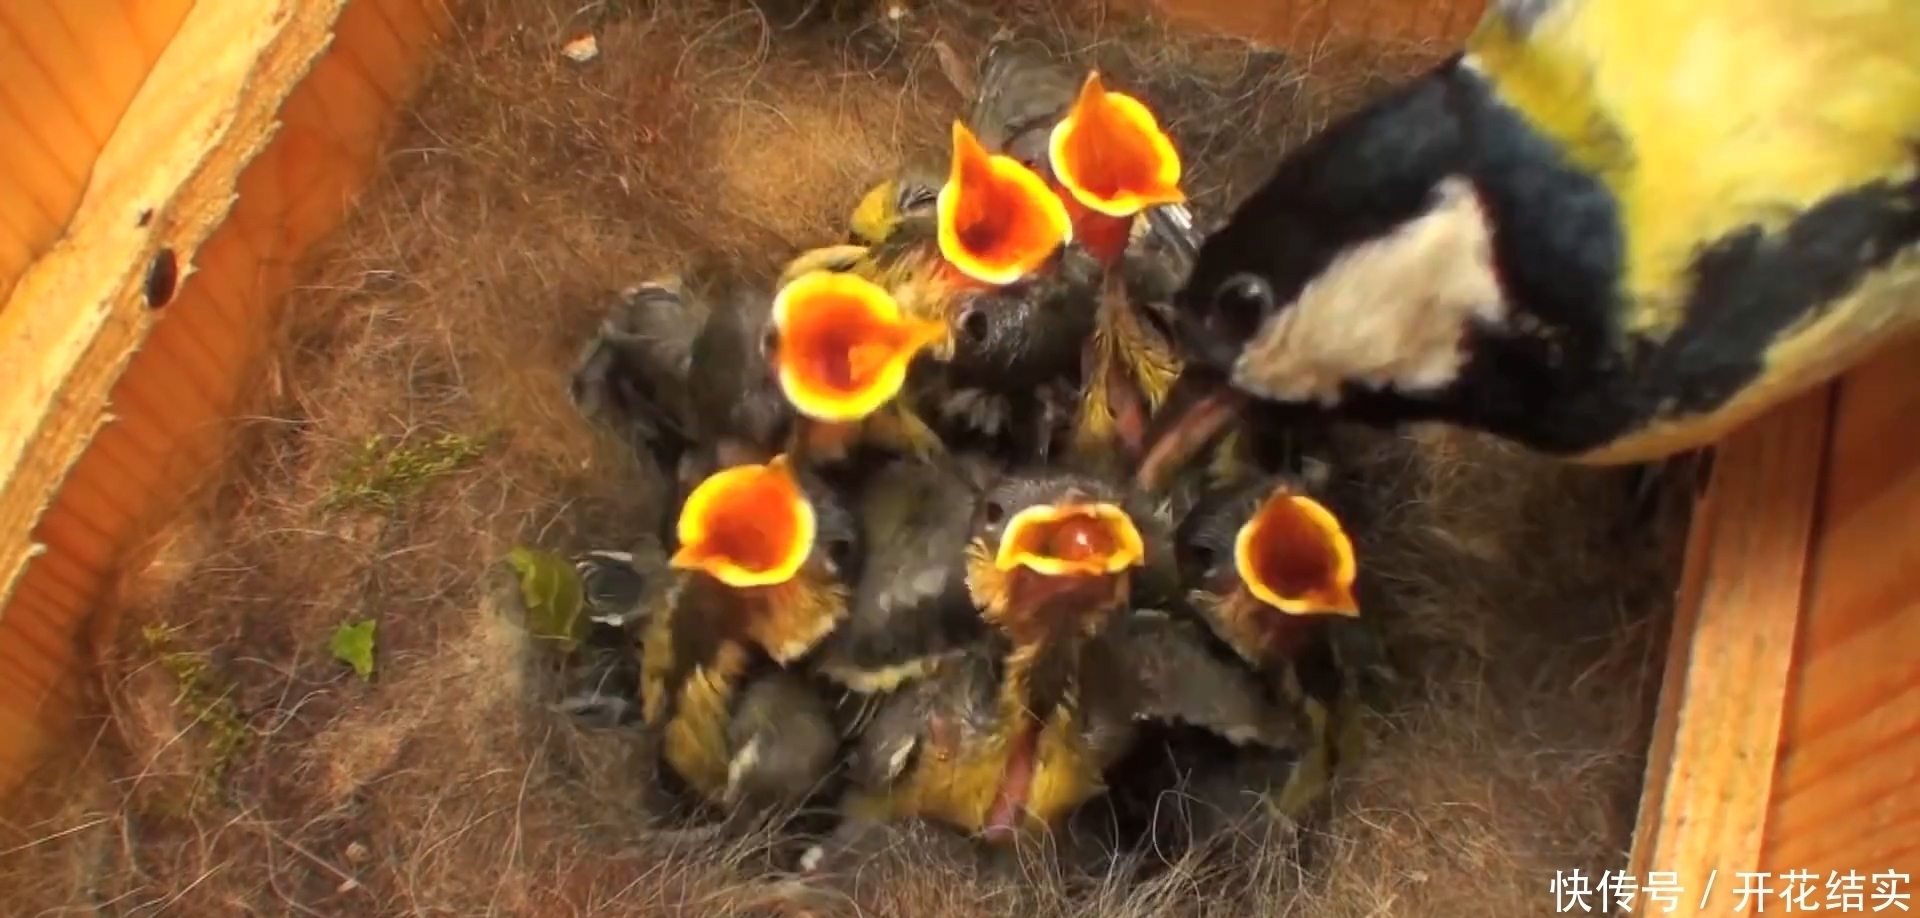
165, 180
1716, 735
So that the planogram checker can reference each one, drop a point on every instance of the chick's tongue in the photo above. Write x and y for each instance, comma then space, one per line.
1015, 783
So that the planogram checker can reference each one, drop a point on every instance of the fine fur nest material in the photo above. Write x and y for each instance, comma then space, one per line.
417, 427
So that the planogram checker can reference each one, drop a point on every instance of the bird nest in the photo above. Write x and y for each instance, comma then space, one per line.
260, 746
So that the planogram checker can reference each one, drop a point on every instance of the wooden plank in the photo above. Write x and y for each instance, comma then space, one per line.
130, 405
1847, 789
76, 317
1710, 771
68, 71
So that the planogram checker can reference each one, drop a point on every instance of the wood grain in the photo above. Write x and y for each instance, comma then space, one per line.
1711, 767
68, 71
1847, 787
244, 146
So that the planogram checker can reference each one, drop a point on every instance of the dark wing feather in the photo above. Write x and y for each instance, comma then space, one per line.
1185, 680
1024, 90
632, 374
911, 603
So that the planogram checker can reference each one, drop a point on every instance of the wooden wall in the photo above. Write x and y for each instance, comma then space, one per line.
68, 70
144, 143
1789, 729
1846, 788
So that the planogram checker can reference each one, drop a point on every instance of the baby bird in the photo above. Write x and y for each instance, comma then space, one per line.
911, 607
992, 235
765, 553
841, 347
1271, 571
602, 681
678, 368
1117, 165
1118, 175
896, 201
1015, 734
1209, 730
952, 749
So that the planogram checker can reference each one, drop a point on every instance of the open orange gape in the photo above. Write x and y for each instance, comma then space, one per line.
998, 220
1294, 555
1070, 540
842, 345
747, 526
1113, 160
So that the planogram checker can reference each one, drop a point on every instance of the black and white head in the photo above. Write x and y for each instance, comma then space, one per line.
1353, 282
1308, 307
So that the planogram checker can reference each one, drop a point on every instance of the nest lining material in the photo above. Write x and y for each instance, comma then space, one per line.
418, 427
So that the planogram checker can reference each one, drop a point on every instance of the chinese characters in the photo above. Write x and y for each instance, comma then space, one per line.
1617, 892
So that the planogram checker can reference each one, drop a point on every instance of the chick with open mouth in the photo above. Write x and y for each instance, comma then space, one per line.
841, 348
954, 256
1271, 570
1003, 741
1115, 165
763, 557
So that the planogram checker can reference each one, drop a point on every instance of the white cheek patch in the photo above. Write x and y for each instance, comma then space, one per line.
1391, 312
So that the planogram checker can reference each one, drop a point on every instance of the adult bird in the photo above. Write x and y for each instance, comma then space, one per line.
1611, 231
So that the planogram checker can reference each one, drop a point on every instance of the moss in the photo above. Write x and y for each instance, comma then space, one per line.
204, 697
380, 475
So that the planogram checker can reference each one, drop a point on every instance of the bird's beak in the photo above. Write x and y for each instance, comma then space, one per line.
1111, 155
1070, 539
998, 220
747, 526
844, 345
1197, 410
1294, 555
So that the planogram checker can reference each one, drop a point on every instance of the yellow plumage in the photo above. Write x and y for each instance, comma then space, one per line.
1122, 340
694, 743
694, 727
1731, 112
1713, 116
958, 786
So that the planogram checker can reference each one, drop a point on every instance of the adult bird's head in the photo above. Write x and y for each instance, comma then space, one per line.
1357, 281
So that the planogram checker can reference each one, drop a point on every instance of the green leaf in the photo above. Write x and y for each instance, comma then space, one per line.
551, 591
352, 644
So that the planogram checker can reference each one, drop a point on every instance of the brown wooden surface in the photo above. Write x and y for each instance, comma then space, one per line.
68, 70
122, 407
1847, 789
1711, 766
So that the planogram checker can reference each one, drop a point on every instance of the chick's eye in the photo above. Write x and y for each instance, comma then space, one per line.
840, 552
973, 324
770, 342
992, 513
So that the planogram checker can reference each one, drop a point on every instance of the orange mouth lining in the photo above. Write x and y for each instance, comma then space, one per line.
1294, 555
1111, 154
1075, 539
746, 526
998, 220
844, 345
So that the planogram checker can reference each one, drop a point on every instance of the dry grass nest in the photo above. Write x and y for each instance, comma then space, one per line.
417, 427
